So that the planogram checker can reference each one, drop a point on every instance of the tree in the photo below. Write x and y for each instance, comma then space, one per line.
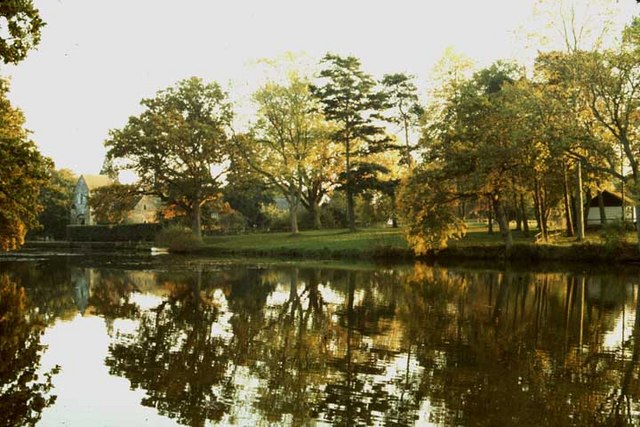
402, 96
112, 203
283, 139
472, 151
611, 83
22, 31
246, 191
23, 171
320, 176
178, 145
55, 198
429, 210
349, 98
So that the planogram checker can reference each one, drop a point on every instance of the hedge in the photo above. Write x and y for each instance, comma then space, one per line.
112, 233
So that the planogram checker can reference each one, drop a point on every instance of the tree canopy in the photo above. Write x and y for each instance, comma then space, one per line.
178, 145
22, 22
283, 146
350, 99
23, 171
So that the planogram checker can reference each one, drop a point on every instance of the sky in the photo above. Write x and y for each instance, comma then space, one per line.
98, 59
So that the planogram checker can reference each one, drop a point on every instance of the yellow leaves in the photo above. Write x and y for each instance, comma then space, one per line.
429, 207
12, 232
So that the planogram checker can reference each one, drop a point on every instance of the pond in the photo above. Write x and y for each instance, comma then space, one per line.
115, 341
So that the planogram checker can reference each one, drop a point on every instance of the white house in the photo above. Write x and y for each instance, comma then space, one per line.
612, 209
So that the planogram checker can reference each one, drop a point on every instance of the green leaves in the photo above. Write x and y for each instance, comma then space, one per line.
23, 171
21, 21
177, 146
349, 99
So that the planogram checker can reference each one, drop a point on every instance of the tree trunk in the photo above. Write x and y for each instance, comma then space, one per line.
503, 223
518, 212
293, 215
351, 215
350, 209
585, 208
409, 159
540, 211
545, 220
536, 204
394, 210
525, 221
567, 204
490, 219
637, 210
580, 204
603, 213
196, 221
314, 209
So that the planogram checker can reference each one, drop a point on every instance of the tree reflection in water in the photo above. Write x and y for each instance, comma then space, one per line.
174, 356
24, 393
386, 346
517, 349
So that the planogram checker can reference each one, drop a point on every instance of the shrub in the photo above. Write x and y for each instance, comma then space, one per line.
232, 223
612, 235
178, 239
277, 218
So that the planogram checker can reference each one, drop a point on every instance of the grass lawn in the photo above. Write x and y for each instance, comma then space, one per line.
331, 240
385, 242
477, 235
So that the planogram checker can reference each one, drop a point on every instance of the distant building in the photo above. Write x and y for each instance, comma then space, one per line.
612, 209
144, 209
80, 211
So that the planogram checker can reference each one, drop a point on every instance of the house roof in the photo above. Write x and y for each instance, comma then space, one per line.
96, 181
611, 198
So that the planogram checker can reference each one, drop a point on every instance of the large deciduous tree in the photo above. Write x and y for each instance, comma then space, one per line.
350, 99
284, 138
178, 145
472, 155
23, 172
611, 82
112, 203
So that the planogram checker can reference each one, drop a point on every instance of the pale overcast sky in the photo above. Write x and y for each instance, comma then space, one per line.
97, 59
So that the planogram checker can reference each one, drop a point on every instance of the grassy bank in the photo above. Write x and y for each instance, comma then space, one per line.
376, 244
322, 244
388, 243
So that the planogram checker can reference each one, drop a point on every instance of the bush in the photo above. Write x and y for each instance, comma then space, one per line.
334, 213
178, 239
232, 223
277, 218
612, 235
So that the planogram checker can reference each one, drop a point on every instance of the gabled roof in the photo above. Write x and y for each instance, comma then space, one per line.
96, 181
611, 198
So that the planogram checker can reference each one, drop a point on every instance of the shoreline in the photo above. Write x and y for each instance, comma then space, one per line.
520, 252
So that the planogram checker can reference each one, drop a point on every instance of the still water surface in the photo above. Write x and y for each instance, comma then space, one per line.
177, 341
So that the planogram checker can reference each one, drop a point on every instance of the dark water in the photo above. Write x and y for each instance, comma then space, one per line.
166, 341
